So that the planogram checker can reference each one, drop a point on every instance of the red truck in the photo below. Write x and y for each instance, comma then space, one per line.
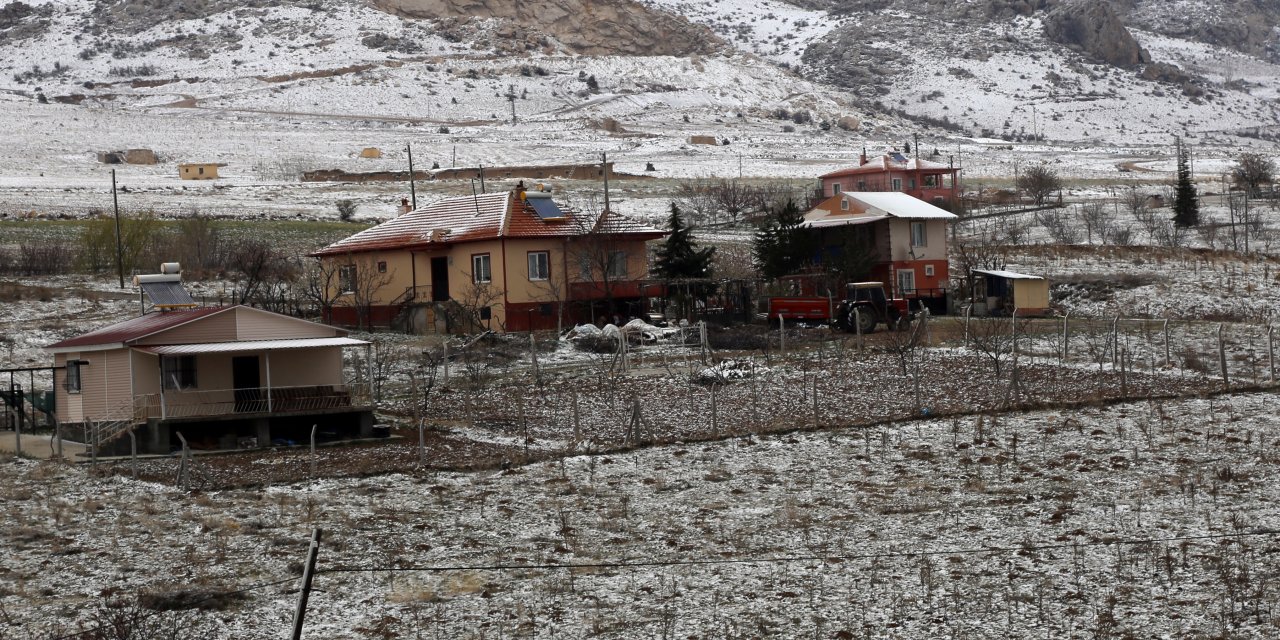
865, 304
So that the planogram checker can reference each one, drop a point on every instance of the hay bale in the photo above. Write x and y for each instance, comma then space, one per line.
371, 152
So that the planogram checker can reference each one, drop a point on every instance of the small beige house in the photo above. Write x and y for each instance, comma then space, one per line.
198, 171
225, 377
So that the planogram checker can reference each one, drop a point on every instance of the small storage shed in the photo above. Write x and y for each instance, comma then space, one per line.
198, 171
1004, 291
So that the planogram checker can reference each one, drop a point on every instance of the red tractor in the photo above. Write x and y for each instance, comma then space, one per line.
865, 305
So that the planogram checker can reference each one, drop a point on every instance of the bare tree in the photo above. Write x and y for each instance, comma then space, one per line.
359, 286
1253, 170
256, 263
1097, 221
697, 197
1039, 182
735, 198
980, 250
320, 285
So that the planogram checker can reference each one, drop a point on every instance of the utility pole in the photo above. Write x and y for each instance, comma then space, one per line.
115, 201
413, 190
511, 96
454, 163
304, 594
604, 169
482, 190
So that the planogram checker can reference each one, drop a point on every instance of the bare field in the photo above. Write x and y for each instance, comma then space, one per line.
1136, 519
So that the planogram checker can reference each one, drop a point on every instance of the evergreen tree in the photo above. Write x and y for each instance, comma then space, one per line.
680, 258
781, 246
1186, 203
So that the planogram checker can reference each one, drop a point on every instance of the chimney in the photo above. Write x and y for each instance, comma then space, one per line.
863, 158
404, 206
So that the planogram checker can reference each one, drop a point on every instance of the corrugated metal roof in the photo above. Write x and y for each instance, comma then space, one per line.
483, 217
884, 163
1008, 275
136, 328
840, 221
252, 345
900, 205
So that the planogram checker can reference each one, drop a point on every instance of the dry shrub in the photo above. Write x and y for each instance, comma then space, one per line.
173, 598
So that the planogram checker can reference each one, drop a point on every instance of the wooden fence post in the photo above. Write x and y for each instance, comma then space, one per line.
445, 359
133, 453
1222, 356
184, 466
1167, 360
577, 424
422, 441
533, 358
715, 413
968, 313
1066, 337
782, 337
308, 573
815, 401
313, 451
857, 325
1115, 342
1271, 351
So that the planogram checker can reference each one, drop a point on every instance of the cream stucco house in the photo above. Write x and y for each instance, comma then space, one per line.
510, 261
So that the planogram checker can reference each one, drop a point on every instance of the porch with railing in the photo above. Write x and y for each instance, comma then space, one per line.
239, 402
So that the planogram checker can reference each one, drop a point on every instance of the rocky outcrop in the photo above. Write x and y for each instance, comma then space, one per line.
590, 27
1093, 28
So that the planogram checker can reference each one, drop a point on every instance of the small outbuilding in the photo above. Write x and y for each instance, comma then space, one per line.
707, 140
999, 292
198, 171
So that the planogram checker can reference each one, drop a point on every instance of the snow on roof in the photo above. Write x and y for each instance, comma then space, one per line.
1008, 275
841, 220
481, 217
900, 205
894, 162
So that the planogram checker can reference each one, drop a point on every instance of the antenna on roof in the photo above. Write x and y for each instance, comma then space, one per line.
475, 198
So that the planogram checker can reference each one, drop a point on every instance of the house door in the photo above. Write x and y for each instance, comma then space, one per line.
440, 279
247, 383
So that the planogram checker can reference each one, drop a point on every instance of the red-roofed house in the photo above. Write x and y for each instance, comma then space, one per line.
509, 261
934, 182
222, 376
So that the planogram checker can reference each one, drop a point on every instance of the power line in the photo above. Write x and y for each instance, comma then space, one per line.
628, 564
193, 603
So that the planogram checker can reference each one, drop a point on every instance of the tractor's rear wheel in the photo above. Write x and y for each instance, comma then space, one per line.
865, 319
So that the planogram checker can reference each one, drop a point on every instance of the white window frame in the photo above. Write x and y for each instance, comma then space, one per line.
844, 204
617, 265
919, 234
928, 271
481, 268
539, 266
347, 278
906, 277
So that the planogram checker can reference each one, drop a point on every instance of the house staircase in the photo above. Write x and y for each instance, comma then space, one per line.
119, 422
